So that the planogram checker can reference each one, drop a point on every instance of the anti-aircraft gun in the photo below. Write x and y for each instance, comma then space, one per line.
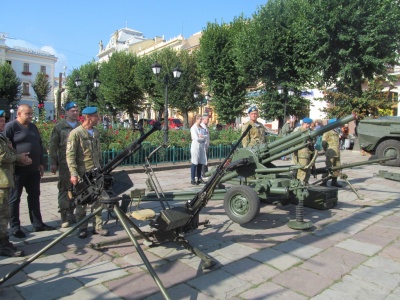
261, 180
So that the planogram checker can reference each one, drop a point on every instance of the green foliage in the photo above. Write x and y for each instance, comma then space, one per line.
10, 84
41, 86
88, 73
371, 102
350, 41
217, 62
119, 84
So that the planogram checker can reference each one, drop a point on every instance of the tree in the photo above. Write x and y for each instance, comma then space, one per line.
88, 73
10, 84
217, 63
42, 88
267, 52
371, 102
119, 83
351, 41
182, 96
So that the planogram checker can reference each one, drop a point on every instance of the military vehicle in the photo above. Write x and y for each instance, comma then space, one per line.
381, 137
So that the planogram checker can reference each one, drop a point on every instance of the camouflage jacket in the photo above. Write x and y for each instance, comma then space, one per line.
330, 143
255, 136
83, 151
8, 157
58, 142
305, 152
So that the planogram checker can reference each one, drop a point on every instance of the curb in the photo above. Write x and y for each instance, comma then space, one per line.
48, 177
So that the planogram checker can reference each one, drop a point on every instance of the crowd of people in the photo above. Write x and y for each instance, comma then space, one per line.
74, 149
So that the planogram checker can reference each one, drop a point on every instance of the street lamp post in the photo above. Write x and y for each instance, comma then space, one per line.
201, 100
96, 84
156, 67
281, 91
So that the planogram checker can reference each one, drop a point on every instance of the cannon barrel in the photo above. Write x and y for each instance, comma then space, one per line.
296, 138
347, 166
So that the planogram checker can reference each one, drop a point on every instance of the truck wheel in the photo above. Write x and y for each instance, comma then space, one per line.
389, 148
241, 204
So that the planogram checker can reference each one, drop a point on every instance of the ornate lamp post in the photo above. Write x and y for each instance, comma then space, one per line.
156, 67
290, 92
96, 84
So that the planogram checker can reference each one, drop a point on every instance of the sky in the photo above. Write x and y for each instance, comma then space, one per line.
72, 30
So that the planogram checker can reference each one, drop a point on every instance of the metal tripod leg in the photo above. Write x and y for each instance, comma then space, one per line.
123, 219
344, 177
207, 261
147, 240
49, 246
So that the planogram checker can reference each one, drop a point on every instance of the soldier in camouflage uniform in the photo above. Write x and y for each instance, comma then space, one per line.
256, 134
8, 157
303, 156
84, 154
331, 145
57, 152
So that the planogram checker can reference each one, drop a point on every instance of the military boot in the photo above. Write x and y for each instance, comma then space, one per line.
335, 183
101, 231
8, 249
64, 219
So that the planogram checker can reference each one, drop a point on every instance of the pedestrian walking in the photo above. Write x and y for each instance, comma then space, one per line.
204, 125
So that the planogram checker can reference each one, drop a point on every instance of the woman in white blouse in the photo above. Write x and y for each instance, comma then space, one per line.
197, 151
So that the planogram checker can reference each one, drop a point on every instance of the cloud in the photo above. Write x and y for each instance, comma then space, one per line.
61, 58
61, 61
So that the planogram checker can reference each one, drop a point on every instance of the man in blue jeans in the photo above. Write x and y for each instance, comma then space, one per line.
25, 138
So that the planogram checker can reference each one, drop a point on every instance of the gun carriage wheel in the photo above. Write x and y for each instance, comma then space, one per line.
389, 148
241, 204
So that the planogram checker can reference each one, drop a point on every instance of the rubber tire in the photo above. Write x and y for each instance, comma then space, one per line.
240, 195
389, 146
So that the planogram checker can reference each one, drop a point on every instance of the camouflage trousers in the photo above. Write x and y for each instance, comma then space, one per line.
64, 184
80, 213
332, 162
4, 212
303, 174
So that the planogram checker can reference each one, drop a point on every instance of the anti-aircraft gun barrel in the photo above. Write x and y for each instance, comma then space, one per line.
296, 138
348, 166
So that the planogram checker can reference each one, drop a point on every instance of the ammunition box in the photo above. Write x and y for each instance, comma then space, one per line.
173, 218
321, 197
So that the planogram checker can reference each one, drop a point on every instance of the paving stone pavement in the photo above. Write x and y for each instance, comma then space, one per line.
352, 252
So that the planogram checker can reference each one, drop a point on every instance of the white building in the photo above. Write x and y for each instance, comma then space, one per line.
27, 63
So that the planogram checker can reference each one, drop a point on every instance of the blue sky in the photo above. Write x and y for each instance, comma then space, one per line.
71, 30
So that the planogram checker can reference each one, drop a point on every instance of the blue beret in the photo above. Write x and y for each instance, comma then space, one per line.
307, 120
332, 121
70, 105
2, 113
89, 110
252, 108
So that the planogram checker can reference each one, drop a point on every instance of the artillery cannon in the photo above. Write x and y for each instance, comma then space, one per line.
260, 180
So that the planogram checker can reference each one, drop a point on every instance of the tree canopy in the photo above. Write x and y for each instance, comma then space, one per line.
42, 87
10, 84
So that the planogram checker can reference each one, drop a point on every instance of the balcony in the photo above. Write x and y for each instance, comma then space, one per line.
26, 73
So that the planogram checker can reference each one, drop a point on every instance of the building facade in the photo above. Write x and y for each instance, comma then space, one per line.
27, 63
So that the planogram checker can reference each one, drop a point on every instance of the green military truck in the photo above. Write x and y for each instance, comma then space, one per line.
381, 137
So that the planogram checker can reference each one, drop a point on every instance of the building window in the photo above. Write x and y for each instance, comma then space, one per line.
26, 69
25, 89
43, 69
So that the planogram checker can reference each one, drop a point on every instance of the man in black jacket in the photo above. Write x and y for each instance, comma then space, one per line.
25, 137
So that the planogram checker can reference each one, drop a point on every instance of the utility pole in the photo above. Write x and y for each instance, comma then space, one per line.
59, 92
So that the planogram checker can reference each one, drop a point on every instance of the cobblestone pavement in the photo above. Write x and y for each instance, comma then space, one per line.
352, 252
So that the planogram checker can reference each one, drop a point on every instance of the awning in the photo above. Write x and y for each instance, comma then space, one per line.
389, 89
